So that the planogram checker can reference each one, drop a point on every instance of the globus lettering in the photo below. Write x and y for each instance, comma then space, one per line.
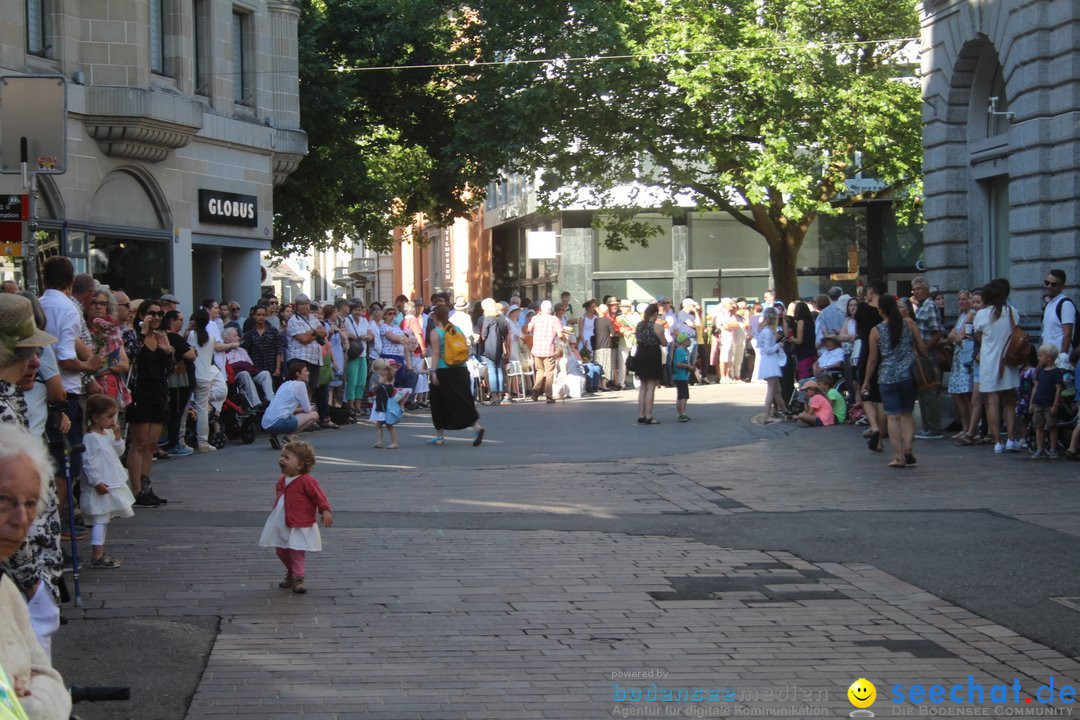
231, 208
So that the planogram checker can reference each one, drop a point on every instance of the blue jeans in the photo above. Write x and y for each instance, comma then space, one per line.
494, 373
593, 373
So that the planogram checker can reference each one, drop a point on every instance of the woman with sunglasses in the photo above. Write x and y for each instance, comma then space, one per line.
148, 411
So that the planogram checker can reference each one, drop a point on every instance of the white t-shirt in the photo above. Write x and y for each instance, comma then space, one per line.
62, 320
831, 357
463, 322
291, 395
1051, 326
37, 408
204, 354
214, 330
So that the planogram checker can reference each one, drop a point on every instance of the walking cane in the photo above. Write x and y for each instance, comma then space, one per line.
70, 450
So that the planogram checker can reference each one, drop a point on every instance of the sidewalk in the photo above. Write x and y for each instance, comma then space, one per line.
453, 589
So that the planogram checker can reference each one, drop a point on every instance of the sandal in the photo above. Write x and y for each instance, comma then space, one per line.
1072, 454
642, 421
874, 443
652, 421
437, 441
910, 459
965, 440
105, 562
897, 464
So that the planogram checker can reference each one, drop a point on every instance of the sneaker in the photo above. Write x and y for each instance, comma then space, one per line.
1038, 455
105, 562
180, 450
1052, 455
206, 447
684, 418
928, 435
275, 442
146, 499
1013, 446
298, 586
999, 448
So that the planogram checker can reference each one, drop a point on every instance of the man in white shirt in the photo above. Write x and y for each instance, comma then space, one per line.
461, 318
1059, 315
73, 356
214, 330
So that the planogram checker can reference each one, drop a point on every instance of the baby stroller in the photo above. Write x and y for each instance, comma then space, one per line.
237, 420
797, 402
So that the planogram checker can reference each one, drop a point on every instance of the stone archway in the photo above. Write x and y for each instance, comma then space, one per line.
130, 197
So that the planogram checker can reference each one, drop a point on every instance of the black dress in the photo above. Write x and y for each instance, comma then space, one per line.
648, 362
149, 397
866, 319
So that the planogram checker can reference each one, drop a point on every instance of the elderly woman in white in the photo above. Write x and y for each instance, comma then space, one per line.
25, 471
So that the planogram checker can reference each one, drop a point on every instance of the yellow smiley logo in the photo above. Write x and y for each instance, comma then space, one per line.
862, 693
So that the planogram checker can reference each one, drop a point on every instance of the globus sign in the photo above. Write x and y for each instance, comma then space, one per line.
225, 208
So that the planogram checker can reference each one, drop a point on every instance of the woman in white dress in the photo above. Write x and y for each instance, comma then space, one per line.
997, 381
770, 361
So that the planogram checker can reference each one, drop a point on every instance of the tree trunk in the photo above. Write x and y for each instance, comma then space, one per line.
784, 254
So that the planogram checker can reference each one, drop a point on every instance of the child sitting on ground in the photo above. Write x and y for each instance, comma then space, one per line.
291, 527
1045, 400
819, 412
839, 404
105, 493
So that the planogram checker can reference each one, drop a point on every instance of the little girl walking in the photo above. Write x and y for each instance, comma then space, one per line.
388, 399
291, 527
105, 494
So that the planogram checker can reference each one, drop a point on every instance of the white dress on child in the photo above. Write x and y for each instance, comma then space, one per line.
101, 461
277, 534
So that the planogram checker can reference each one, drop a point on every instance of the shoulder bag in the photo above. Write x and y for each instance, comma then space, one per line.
1017, 347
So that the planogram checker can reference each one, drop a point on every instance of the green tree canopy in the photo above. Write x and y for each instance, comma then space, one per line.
760, 108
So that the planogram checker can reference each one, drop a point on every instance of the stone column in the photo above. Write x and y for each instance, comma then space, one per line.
206, 273
577, 263
680, 244
285, 81
242, 277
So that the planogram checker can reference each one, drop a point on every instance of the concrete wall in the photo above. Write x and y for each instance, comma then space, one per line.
1037, 153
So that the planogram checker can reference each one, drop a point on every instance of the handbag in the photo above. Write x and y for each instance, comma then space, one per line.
1016, 349
326, 372
356, 347
631, 362
924, 373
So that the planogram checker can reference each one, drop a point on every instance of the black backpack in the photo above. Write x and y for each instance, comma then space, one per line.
1075, 340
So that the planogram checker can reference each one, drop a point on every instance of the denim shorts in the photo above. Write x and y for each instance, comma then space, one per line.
898, 398
283, 426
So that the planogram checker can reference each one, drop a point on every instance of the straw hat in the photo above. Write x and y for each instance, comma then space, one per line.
17, 328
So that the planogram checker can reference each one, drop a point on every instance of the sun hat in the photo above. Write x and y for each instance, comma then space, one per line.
626, 303
17, 328
545, 307
461, 303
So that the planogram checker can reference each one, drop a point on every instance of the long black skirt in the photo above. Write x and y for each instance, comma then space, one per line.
452, 406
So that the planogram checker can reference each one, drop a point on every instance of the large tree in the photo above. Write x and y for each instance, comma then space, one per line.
759, 108
378, 141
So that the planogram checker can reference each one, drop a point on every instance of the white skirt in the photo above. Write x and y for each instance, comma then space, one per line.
277, 534
99, 509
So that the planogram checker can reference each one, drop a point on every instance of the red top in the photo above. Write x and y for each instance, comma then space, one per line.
303, 497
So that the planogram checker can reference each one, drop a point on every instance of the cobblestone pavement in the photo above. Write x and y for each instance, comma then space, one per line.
442, 593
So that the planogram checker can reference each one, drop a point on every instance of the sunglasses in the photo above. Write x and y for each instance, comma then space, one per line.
155, 313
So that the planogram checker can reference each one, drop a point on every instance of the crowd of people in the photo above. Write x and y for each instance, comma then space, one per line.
127, 381
889, 353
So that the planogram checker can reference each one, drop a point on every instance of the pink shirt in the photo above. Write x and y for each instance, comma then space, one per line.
822, 409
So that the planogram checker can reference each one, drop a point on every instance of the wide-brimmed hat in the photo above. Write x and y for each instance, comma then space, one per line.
17, 328
461, 304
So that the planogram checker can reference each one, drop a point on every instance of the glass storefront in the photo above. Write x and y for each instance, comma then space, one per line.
139, 267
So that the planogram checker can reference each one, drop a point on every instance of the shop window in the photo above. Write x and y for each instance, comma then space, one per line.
139, 267
732, 287
656, 256
720, 241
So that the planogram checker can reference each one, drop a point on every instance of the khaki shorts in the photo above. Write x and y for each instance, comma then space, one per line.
1042, 417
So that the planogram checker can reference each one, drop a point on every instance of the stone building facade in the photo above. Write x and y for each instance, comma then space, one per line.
1001, 113
182, 117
